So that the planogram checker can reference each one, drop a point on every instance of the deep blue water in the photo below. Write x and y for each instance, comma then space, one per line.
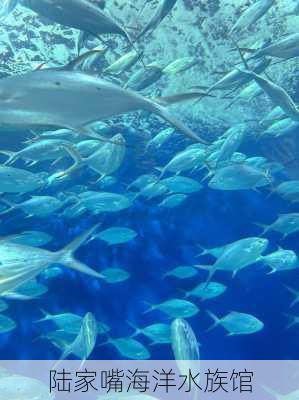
166, 239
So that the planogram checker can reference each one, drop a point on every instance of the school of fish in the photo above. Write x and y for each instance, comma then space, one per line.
74, 112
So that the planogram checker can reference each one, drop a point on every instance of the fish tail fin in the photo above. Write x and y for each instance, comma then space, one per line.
76, 156
40, 337
208, 268
215, 319
165, 275
12, 156
208, 175
151, 307
203, 252
162, 171
291, 290
164, 114
271, 191
66, 255
46, 316
65, 354
11, 206
262, 226
135, 327
210, 276
272, 271
293, 320
295, 293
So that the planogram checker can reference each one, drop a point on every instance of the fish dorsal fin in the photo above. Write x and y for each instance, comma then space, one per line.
78, 60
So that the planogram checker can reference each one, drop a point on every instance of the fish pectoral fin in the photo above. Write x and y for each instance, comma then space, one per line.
164, 114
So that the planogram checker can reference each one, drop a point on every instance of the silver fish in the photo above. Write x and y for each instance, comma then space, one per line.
184, 345
39, 206
276, 94
144, 77
238, 255
33, 99
158, 333
16, 180
105, 160
84, 15
236, 323
19, 264
251, 15
85, 341
124, 63
161, 12
235, 79
48, 149
286, 48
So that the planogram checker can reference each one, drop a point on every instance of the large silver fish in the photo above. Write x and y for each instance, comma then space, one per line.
70, 99
84, 15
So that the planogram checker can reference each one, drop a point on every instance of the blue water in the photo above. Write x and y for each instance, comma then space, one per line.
166, 239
